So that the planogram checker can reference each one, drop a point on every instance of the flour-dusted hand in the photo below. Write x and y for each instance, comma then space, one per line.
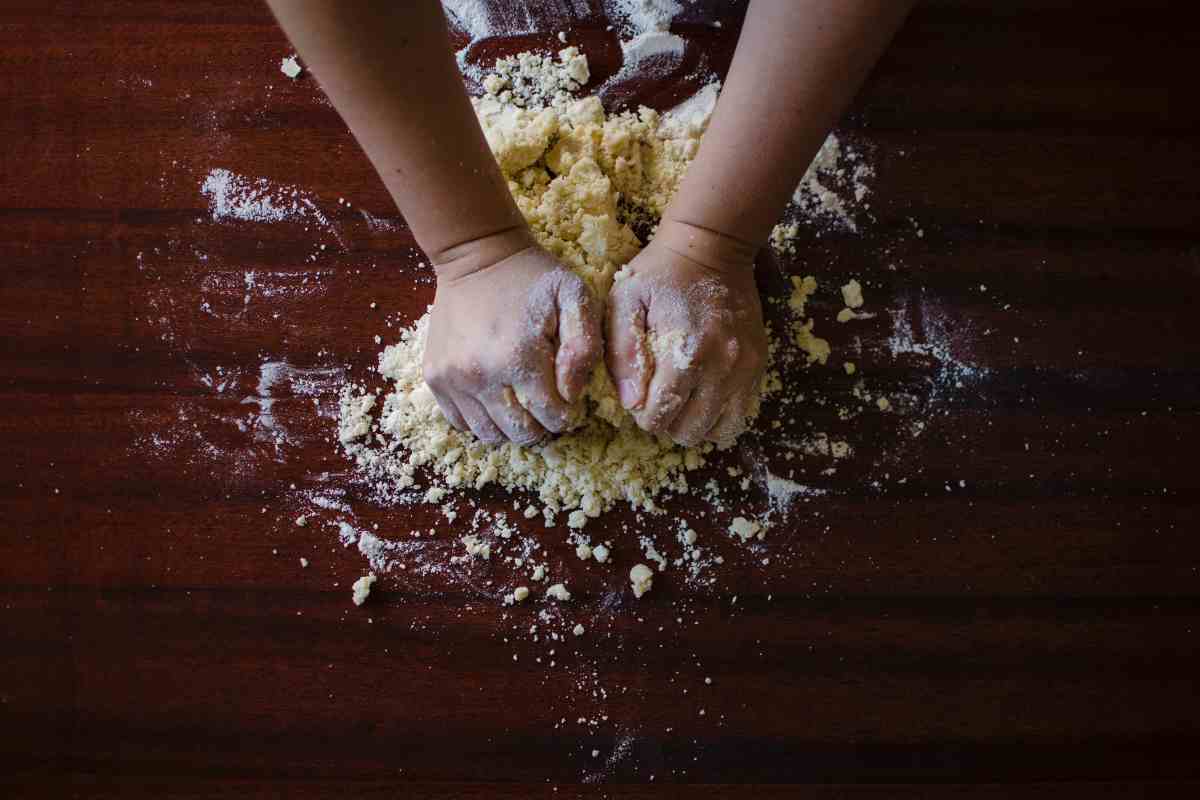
511, 346
686, 341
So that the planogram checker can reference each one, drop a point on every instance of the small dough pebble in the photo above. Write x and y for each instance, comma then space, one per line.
642, 578
362, 589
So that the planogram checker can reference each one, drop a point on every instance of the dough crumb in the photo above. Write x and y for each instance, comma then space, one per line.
558, 592
852, 294
291, 67
362, 589
642, 578
477, 548
746, 529
577, 630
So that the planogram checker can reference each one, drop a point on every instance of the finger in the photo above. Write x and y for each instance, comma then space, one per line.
734, 419
449, 410
538, 394
700, 413
579, 343
478, 420
629, 360
518, 425
670, 389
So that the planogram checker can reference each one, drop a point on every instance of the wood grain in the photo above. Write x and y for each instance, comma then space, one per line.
1006, 605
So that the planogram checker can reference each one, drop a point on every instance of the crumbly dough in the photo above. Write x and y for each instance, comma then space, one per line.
746, 529
361, 589
642, 578
290, 67
852, 294
580, 177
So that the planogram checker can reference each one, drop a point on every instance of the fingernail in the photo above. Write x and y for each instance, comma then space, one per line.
630, 392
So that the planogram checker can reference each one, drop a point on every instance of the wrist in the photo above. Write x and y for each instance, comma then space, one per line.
475, 255
711, 248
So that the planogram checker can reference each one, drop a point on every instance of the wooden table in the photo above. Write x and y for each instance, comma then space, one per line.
1005, 605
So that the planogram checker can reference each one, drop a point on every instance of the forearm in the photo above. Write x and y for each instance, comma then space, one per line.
797, 66
388, 69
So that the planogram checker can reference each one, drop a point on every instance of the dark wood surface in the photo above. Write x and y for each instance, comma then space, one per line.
1032, 631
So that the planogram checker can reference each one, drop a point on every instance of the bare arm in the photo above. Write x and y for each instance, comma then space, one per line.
388, 69
798, 64
513, 335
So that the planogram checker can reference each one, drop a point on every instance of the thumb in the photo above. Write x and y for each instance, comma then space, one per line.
629, 360
578, 338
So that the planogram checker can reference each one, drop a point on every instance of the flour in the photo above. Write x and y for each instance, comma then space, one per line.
233, 197
673, 347
833, 189
640, 51
642, 16
484, 19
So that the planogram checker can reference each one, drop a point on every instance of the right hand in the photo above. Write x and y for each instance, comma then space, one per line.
687, 347
511, 346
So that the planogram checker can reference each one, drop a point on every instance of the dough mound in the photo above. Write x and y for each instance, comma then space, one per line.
581, 178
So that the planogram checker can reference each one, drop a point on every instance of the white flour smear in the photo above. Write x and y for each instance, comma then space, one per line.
935, 341
236, 198
636, 17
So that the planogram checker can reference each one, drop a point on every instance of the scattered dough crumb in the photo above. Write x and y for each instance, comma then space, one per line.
577, 630
746, 529
362, 589
291, 67
477, 548
558, 592
642, 578
852, 294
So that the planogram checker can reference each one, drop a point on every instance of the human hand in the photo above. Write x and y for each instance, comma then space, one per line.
511, 346
686, 342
